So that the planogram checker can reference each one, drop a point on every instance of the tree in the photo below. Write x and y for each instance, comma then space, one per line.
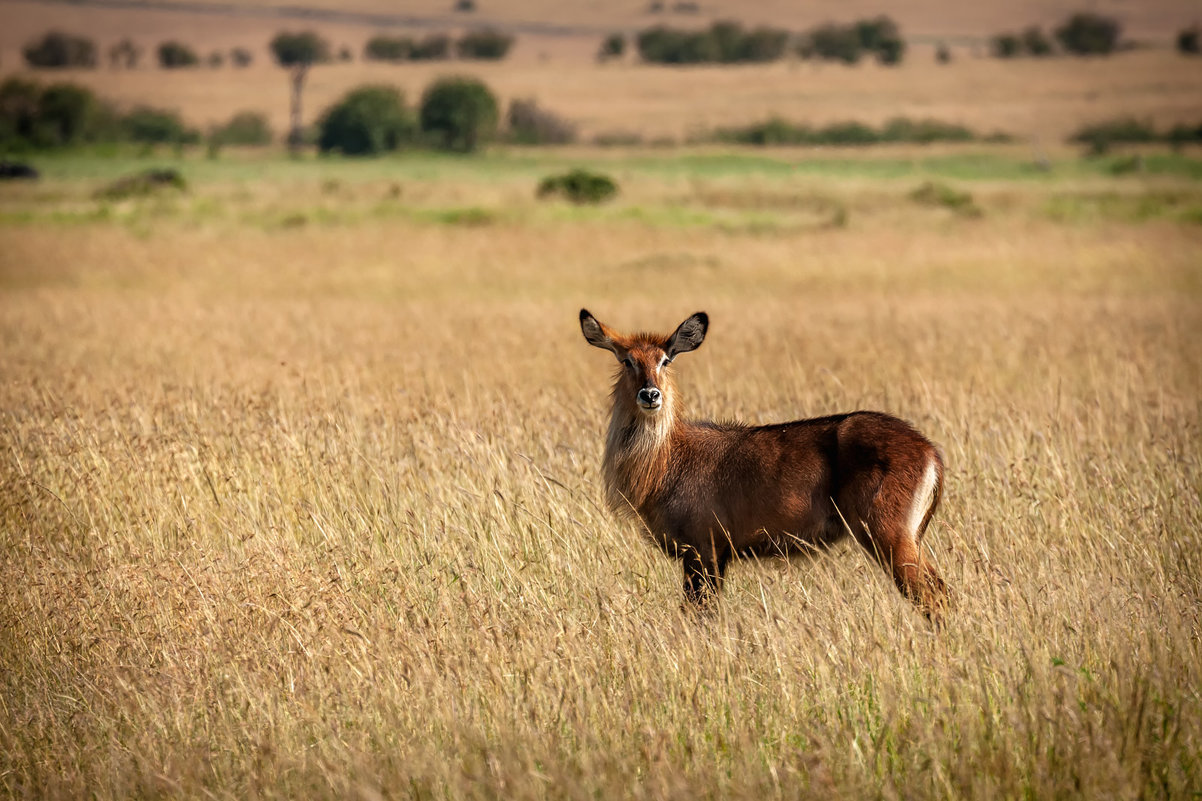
366, 121
18, 110
241, 57
388, 48
125, 54
613, 46
1187, 41
460, 112
244, 128
1036, 42
1005, 45
1089, 34
832, 42
487, 44
157, 126
174, 55
433, 47
296, 52
57, 49
67, 114
881, 36
531, 125
763, 44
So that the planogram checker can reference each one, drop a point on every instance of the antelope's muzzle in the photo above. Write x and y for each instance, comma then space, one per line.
650, 399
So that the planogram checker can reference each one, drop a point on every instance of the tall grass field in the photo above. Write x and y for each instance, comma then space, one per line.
300, 488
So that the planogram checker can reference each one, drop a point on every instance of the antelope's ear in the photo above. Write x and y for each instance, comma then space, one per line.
597, 334
688, 335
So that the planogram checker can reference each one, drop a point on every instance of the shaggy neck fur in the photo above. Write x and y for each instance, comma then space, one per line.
637, 448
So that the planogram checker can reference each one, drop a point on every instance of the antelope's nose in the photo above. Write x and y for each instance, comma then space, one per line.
650, 398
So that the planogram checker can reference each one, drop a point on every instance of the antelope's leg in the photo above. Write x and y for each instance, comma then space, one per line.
915, 577
704, 570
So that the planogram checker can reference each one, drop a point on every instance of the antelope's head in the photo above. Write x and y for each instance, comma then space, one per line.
644, 359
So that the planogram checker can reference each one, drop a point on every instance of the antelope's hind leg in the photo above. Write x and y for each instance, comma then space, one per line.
899, 517
915, 577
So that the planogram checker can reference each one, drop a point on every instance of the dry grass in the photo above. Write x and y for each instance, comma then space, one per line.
314, 511
1156, 19
1039, 100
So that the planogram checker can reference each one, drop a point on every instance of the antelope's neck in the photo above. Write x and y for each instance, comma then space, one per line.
637, 451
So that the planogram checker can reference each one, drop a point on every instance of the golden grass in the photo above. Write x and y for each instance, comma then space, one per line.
315, 511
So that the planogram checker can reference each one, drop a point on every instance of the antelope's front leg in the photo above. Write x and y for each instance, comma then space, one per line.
704, 570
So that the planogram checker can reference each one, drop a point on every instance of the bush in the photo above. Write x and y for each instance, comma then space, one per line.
1006, 45
216, 59
403, 48
764, 44
60, 50
734, 45
175, 55
832, 42
578, 186
486, 44
125, 54
154, 126
530, 125
618, 139
366, 121
388, 48
663, 45
67, 115
459, 113
1100, 136
18, 111
434, 47
847, 133
299, 49
724, 42
1121, 130
882, 37
873, 32
1181, 135
241, 57
944, 196
1035, 42
1188, 41
143, 183
1089, 34
58, 115
903, 129
613, 46
777, 131
244, 128
891, 52
943, 54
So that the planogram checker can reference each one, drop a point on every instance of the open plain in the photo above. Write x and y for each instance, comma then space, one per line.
300, 490
299, 466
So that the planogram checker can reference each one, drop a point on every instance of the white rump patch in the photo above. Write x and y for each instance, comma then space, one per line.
923, 498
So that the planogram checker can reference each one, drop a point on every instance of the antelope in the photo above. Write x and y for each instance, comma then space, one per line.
706, 492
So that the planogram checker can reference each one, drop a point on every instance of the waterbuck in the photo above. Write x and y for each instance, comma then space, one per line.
708, 491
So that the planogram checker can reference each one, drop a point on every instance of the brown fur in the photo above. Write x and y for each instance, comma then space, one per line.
707, 492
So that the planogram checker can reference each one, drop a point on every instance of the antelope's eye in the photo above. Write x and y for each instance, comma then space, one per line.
628, 363
664, 362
